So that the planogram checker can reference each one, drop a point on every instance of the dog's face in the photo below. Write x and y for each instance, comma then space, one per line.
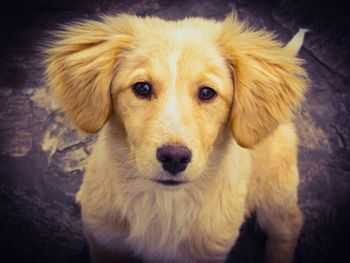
173, 96
174, 86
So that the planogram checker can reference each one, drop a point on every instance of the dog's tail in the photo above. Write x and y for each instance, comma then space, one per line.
295, 44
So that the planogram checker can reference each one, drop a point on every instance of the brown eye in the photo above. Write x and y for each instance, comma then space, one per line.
206, 94
143, 89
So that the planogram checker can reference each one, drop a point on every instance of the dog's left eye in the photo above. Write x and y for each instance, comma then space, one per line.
143, 89
206, 94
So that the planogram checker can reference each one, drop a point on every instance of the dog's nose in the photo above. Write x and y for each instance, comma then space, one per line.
174, 158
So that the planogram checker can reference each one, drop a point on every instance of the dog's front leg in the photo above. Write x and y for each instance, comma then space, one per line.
282, 220
100, 254
283, 231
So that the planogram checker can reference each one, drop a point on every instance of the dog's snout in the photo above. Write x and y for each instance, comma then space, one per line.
174, 158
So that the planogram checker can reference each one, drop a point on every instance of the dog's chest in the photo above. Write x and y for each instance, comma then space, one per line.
180, 227
160, 222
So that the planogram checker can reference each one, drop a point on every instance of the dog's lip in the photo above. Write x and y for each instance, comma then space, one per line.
169, 182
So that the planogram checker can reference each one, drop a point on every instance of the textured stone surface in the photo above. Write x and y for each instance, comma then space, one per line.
42, 156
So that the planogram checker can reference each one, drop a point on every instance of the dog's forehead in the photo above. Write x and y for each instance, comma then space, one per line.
170, 54
158, 37
193, 48
191, 28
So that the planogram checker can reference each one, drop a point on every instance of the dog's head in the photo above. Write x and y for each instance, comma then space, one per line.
174, 86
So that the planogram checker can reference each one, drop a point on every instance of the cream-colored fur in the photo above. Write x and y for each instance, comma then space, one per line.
243, 142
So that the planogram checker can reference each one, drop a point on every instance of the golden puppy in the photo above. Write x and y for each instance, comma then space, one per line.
195, 133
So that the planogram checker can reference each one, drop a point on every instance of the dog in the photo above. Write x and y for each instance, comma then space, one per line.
195, 122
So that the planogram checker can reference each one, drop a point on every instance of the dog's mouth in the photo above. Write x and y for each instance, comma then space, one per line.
169, 182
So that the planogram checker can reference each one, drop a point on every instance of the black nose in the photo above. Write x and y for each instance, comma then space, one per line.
174, 158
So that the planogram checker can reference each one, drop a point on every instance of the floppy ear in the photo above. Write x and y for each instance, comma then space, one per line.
80, 67
268, 81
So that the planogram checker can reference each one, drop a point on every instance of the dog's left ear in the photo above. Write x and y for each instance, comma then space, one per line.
81, 63
269, 81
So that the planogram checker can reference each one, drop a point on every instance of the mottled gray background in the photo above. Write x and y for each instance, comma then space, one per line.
42, 157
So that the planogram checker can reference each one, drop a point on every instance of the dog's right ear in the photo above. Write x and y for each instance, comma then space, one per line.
81, 62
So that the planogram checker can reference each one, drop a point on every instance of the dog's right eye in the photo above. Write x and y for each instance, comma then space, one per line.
143, 90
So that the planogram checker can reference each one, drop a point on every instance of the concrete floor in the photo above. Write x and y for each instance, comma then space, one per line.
42, 157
